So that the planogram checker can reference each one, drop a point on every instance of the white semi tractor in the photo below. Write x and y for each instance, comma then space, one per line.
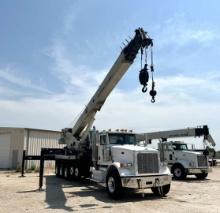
112, 158
182, 160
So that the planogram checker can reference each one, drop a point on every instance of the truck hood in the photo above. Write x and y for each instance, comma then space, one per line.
192, 152
126, 153
133, 148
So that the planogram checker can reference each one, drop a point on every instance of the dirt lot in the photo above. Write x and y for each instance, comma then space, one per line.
21, 195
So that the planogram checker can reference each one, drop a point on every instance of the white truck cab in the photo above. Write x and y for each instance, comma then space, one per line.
121, 163
183, 161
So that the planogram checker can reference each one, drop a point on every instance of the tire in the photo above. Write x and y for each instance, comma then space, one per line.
161, 191
77, 174
113, 184
66, 172
202, 176
57, 170
178, 172
61, 170
71, 172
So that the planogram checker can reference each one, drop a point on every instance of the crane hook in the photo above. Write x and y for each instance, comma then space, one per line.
153, 92
143, 78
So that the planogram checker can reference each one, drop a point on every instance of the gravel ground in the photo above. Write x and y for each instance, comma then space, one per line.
19, 194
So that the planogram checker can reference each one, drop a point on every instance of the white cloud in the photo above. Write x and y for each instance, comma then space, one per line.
121, 110
179, 88
178, 31
11, 75
175, 107
75, 79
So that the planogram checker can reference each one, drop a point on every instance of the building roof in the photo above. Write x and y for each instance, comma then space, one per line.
28, 129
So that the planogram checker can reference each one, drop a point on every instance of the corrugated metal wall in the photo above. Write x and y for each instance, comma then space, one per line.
5, 142
41, 139
19, 141
16, 145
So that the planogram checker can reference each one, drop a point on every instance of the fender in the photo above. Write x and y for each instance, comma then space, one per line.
122, 171
115, 166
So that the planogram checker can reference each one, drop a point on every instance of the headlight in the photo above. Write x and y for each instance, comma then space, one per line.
125, 165
191, 164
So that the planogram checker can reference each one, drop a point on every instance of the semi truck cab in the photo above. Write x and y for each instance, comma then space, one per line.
183, 161
120, 163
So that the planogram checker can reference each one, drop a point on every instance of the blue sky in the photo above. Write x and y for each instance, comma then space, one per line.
54, 54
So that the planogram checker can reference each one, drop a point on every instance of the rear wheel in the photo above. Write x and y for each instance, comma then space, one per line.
71, 172
113, 183
57, 170
66, 172
179, 172
161, 191
61, 170
202, 176
77, 174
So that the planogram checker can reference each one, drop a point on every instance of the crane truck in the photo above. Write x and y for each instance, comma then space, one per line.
181, 160
112, 158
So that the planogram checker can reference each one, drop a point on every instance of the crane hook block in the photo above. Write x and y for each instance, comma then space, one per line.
153, 93
143, 78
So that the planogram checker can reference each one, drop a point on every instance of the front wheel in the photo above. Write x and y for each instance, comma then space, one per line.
66, 172
202, 176
161, 190
113, 183
178, 172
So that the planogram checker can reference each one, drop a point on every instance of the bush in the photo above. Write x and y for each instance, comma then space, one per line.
31, 169
37, 169
18, 169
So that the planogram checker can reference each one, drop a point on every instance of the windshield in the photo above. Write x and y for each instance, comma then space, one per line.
179, 146
121, 139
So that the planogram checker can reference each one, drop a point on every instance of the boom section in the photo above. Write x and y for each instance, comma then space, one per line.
123, 62
188, 132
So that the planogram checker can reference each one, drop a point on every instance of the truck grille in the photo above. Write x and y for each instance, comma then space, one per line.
202, 161
147, 163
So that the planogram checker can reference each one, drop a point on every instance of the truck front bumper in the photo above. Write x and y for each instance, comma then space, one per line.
141, 182
193, 171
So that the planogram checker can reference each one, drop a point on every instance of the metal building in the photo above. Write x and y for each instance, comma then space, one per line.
14, 140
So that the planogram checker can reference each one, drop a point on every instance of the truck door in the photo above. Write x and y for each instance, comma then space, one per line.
169, 154
104, 149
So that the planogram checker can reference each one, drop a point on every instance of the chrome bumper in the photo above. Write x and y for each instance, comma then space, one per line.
141, 182
193, 171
